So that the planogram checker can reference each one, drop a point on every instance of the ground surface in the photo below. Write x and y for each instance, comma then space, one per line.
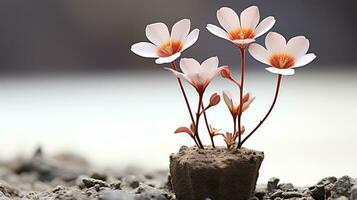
69, 177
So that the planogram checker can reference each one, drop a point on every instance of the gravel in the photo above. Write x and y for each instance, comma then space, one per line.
70, 177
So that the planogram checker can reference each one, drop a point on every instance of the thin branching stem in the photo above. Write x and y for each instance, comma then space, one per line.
198, 120
269, 111
173, 66
242, 53
235, 128
207, 125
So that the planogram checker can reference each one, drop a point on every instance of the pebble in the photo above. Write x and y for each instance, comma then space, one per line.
116, 195
131, 181
288, 195
286, 187
90, 182
354, 192
317, 192
342, 187
273, 184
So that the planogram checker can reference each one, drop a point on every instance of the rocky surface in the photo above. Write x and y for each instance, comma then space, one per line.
69, 177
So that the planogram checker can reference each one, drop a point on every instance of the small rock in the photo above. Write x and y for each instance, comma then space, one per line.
3, 197
183, 148
354, 192
131, 181
99, 176
58, 188
148, 192
317, 192
327, 180
90, 182
116, 185
286, 187
287, 195
276, 194
341, 198
260, 194
116, 195
342, 187
8, 190
273, 184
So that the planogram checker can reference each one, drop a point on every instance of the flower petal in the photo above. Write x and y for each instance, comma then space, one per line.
228, 19
215, 30
275, 43
190, 39
264, 26
163, 60
157, 33
209, 69
190, 66
228, 100
249, 17
281, 71
180, 30
258, 52
306, 59
179, 74
145, 49
210, 65
297, 46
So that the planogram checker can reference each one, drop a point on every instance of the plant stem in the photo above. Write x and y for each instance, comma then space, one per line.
194, 139
268, 113
235, 128
173, 66
207, 125
242, 52
198, 119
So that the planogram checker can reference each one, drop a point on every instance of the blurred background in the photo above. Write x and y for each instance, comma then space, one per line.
68, 82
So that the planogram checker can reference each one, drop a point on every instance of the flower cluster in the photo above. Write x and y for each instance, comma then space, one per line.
281, 56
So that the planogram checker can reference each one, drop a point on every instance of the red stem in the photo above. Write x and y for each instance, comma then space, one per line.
173, 66
268, 113
235, 128
197, 120
207, 125
242, 52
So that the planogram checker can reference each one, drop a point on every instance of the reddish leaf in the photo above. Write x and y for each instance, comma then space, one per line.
184, 129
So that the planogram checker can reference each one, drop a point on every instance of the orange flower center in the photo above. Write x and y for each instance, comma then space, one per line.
240, 34
282, 60
169, 48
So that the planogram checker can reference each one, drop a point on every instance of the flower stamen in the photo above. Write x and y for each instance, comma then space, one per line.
169, 48
241, 34
282, 61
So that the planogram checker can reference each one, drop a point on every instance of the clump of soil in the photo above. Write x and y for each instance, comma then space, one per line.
215, 173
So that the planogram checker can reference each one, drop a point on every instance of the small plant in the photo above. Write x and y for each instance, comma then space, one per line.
281, 56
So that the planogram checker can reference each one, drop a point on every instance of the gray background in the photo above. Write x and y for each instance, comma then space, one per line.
90, 35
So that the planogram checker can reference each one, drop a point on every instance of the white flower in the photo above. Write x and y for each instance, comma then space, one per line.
164, 47
282, 56
241, 31
198, 75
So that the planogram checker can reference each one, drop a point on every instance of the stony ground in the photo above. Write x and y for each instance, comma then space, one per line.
69, 177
